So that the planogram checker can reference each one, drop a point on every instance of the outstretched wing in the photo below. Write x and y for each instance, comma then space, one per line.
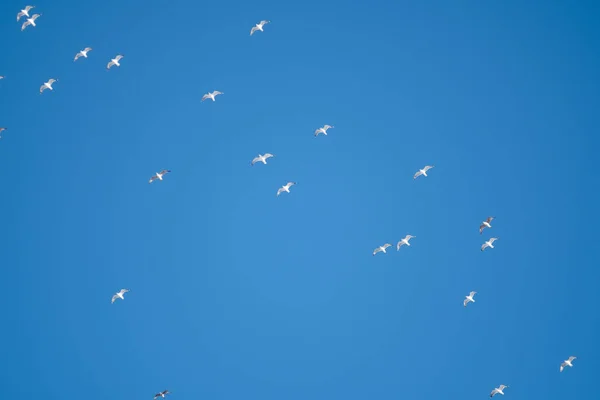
254, 29
206, 96
114, 298
87, 49
110, 64
572, 358
77, 56
483, 246
118, 57
25, 24
465, 302
427, 167
419, 173
489, 219
165, 171
279, 191
472, 294
377, 250
255, 160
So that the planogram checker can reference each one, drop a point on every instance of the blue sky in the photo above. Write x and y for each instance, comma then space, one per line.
237, 293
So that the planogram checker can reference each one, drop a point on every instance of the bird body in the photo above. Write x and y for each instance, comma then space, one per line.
498, 390
159, 175
423, 171
161, 394
285, 188
211, 95
261, 158
489, 243
469, 299
258, 27
323, 130
381, 248
82, 53
47, 85
30, 21
24, 12
114, 61
119, 295
404, 241
567, 363
485, 224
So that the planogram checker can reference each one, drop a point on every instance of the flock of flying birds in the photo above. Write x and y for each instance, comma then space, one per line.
262, 158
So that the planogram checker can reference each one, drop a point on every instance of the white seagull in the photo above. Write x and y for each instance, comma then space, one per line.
1, 77
404, 241
423, 171
498, 390
82, 53
262, 158
285, 188
119, 295
30, 21
485, 224
258, 27
469, 298
159, 175
2, 130
211, 95
47, 85
567, 363
381, 248
114, 61
323, 130
161, 394
24, 12
489, 244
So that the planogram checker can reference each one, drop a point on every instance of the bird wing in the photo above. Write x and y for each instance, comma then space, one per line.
385, 246
254, 28
87, 49
492, 240
481, 228
290, 184
279, 191
28, 8
110, 64
400, 243
263, 22
377, 250
327, 126
77, 56
216, 93
562, 366
502, 387
42, 88
572, 358
472, 294
493, 393
20, 14
318, 130
483, 246
268, 155
35, 16
113, 298
25, 24
427, 168
118, 57
255, 160
206, 96
419, 173
123, 291
51, 81
165, 171
489, 219
2, 129
152, 179
465, 302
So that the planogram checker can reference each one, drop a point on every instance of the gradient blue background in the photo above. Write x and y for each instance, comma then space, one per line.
239, 294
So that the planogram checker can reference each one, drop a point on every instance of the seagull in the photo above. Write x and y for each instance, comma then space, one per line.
47, 85
119, 295
24, 12
161, 394
258, 27
404, 241
159, 175
285, 188
381, 248
485, 224
323, 130
262, 158
489, 243
82, 53
469, 299
498, 390
423, 171
1, 77
2, 130
211, 95
30, 21
114, 61
566, 363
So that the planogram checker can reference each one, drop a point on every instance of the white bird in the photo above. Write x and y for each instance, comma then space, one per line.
159, 175
211, 95
258, 27
489, 243
119, 295
1, 77
567, 363
404, 241
161, 394
2, 130
485, 224
262, 158
24, 12
82, 53
285, 188
47, 85
469, 299
423, 171
30, 21
381, 248
323, 130
498, 390
114, 61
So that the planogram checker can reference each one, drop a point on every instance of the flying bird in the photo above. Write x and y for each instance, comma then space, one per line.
119, 295
262, 158
1, 77
423, 171
258, 27
30, 21
159, 175
47, 85
82, 53
211, 95
161, 394
381, 248
469, 299
323, 130
285, 188
404, 241
24, 12
567, 363
489, 244
498, 390
485, 224
2, 130
114, 61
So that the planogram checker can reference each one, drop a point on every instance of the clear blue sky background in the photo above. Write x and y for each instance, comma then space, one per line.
239, 294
